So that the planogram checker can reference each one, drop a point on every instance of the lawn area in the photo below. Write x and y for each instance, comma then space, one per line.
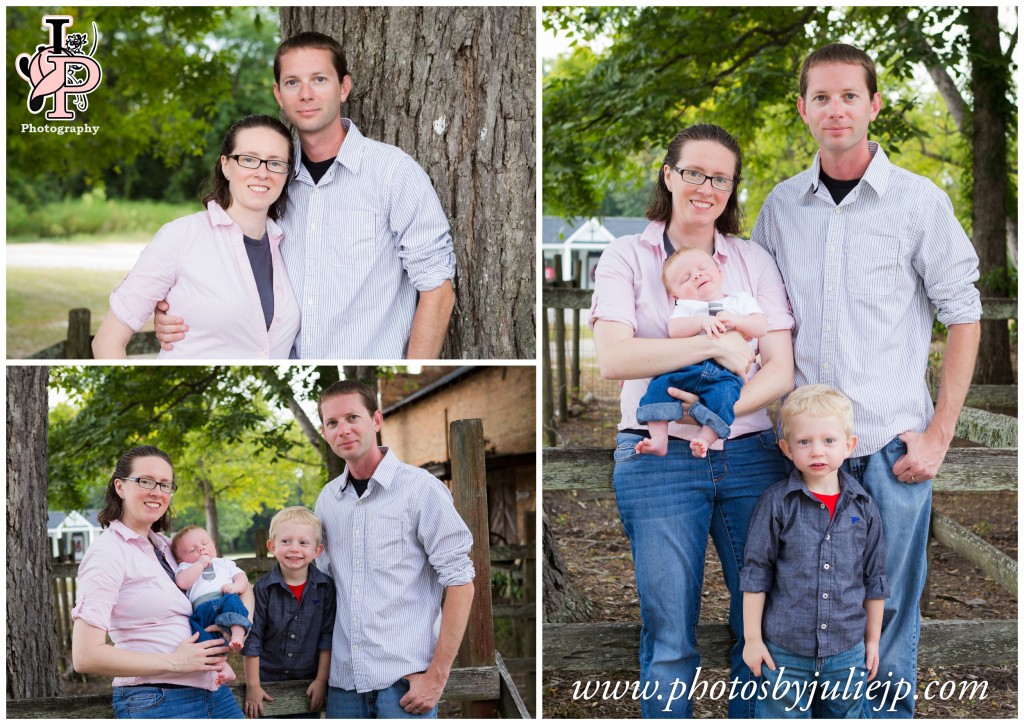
38, 301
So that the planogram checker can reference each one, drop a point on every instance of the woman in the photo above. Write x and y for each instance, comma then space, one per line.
222, 268
126, 589
669, 505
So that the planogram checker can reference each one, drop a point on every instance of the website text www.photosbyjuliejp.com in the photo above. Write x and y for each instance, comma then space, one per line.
887, 694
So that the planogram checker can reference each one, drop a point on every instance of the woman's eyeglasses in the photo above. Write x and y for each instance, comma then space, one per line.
149, 484
251, 162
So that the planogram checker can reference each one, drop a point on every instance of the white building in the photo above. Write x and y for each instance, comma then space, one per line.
583, 239
77, 530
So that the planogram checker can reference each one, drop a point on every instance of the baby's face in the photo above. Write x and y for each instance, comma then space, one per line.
193, 545
694, 275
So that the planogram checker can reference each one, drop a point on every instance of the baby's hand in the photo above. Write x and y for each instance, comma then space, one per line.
232, 588
205, 560
728, 319
712, 326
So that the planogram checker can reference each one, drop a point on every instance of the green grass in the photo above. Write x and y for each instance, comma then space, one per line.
91, 218
38, 301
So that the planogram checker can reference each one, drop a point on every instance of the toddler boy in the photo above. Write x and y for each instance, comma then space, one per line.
294, 619
212, 585
814, 581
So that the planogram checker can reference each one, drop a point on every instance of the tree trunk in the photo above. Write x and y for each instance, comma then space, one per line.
562, 601
990, 88
210, 507
31, 619
455, 88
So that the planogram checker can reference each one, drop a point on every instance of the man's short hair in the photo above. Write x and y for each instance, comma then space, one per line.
817, 401
317, 41
297, 515
840, 53
348, 387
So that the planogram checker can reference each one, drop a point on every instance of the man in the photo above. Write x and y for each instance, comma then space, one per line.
394, 541
867, 250
367, 244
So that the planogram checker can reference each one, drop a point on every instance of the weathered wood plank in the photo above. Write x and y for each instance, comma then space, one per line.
988, 396
982, 554
466, 683
988, 429
965, 469
615, 646
993, 308
566, 298
510, 704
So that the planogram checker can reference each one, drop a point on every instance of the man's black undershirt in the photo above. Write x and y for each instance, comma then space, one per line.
838, 188
317, 169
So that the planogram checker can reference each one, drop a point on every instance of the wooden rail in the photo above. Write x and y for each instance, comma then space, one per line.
467, 684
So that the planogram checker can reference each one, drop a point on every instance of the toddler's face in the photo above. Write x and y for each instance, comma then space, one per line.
694, 275
295, 545
193, 545
817, 446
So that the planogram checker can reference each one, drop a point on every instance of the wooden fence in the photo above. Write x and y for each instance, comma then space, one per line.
992, 467
483, 683
78, 344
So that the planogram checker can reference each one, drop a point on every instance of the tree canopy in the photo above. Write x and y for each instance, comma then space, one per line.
608, 115
240, 437
174, 79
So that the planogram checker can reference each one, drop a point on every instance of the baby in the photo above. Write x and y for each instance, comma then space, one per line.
694, 279
212, 585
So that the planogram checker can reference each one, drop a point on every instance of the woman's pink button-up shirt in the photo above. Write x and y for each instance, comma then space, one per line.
199, 265
629, 290
123, 590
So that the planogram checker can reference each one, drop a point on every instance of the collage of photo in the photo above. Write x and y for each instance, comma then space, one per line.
313, 311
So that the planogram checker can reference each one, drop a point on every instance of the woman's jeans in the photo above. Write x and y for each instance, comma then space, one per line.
906, 511
154, 701
668, 506
834, 684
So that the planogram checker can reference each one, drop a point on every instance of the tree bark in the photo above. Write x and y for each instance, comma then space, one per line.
563, 602
990, 88
455, 88
31, 618
210, 510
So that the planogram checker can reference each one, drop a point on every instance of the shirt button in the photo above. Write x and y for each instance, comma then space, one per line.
824, 626
826, 566
828, 537
289, 654
822, 505
838, 210
825, 595
825, 365
292, 636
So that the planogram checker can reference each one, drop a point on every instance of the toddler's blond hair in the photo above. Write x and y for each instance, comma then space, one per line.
297, 515
817, 401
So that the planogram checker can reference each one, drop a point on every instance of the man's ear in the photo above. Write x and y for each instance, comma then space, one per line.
346, 87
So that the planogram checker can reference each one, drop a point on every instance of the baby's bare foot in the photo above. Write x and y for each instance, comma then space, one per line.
699, 448
657, 446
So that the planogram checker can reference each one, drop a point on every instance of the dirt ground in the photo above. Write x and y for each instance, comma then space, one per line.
596, 551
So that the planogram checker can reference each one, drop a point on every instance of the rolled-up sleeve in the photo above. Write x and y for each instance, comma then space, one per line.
759, 553
876, 582
100, 578
148, 282
946, 261
445, 538
421, 227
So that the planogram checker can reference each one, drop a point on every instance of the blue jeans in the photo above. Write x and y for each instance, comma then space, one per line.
835, 684
225, 611
906, 511
717, 390
378, 704
154, 701
668, 506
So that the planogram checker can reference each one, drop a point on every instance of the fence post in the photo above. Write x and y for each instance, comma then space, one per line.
577, 280
563, 392
469, 490
530, 596
78, 346
548, 420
